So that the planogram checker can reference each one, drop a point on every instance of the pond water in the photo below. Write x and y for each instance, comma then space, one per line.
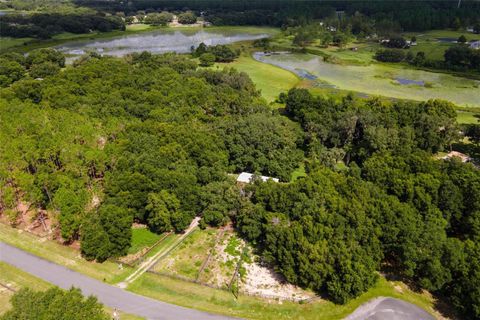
159, 41
379, 79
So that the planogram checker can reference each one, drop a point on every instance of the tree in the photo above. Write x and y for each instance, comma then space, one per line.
54, 303
390, 55
160, 208
10, 71
45, 55
462, 39
207, 59
159, 19
94, 244
44, 69
187, 18
396, 42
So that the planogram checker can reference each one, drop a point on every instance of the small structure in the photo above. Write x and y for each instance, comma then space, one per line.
475, 45
463, 157
245, 178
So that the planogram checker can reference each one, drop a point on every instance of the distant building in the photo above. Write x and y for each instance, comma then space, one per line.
245, 178
475, 45
455, 154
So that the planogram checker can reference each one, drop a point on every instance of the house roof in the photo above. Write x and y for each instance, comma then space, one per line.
246, 177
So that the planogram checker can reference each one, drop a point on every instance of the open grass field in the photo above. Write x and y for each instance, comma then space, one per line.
7, 42
465, 117
66, 256
142, 238
269, 79
220, 301
17, 279
429, 43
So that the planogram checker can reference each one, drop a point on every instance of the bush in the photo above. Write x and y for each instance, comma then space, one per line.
390, 55
207, 59
44, 69
187, 18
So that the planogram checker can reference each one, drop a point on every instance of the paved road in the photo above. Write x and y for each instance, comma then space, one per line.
389, 309
109, 295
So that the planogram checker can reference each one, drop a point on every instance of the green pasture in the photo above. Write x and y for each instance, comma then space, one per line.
270, 80
142, 238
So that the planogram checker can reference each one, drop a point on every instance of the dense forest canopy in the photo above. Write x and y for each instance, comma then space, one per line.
145, 133
395, 208
152, 138
411, 16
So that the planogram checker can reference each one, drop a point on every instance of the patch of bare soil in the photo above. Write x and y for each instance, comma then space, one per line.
264, 281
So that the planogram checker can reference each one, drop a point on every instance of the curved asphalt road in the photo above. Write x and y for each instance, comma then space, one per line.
383, 308
109, 295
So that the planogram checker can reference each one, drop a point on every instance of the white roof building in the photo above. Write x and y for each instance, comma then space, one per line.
246, 177
475, 44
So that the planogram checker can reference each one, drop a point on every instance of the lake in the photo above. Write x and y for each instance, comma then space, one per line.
160, 41
378, 79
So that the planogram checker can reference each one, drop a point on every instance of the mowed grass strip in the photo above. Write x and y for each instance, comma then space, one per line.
223, 302
62, 255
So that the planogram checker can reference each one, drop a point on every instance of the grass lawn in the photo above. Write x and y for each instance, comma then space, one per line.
18, 279
62, 255
141, 238
7, 42
187, 258
138, 27
299, 172
468, 117
269, 79
223, 302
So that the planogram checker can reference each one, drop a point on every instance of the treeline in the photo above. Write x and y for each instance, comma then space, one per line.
394, 208
145, 138
409, 16
37, 65
456, 58
46, 25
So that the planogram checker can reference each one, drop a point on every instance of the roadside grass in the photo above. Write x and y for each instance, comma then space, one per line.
198, 296
187, 258
269, 79
142, 238
223, 302
63, 255
18, 279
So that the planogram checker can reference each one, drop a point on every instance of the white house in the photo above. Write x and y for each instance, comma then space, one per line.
246, 177
475, 45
